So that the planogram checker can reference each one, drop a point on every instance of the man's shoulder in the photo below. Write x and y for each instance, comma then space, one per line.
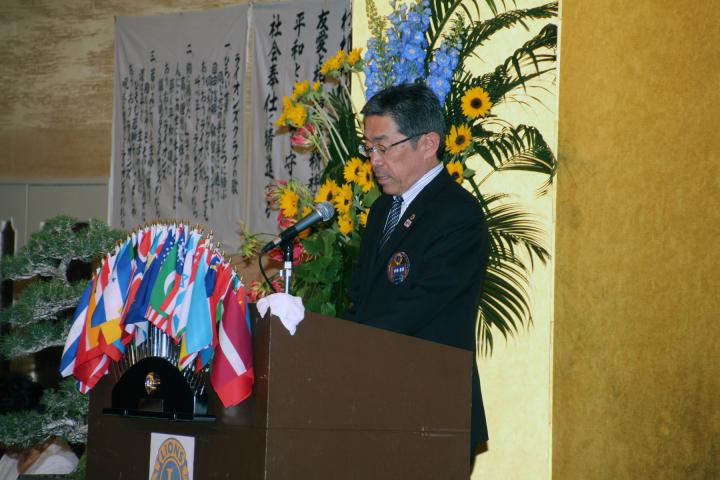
455, 197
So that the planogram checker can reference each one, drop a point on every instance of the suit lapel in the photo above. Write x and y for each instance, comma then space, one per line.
412, 215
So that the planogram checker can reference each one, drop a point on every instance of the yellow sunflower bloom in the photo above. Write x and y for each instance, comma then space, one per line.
333, 64
305, 211
362, 217
297, 116
316, 86
354, 56
289, 203
365, 177
300, 89
345, 222
343, 199
352, 169
476, 103
287, 106
455, 169
327, 191
459, 139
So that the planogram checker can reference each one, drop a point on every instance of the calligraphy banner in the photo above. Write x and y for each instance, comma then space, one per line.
179, 142
292, 41
178, 120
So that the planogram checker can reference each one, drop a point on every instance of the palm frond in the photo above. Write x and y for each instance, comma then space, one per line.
511, 229
443, 11
515, 235
521, 148
481, 31
512, 73
504, 302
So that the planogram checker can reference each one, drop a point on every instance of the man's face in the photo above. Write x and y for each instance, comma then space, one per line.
400, 166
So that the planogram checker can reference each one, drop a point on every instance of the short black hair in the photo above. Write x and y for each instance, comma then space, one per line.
414, 108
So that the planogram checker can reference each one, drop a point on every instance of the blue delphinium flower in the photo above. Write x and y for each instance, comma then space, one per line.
442, 69
400, 57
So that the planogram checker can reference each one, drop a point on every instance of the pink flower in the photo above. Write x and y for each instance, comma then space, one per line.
285, 222
302, 136
298, 251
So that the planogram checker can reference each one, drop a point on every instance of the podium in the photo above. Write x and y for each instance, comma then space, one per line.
338, 400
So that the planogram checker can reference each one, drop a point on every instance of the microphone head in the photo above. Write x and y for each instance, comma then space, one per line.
326, 210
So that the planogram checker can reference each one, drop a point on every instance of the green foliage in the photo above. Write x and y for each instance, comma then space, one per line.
40, 318
42, 301
59, 241
63, 413
324, 280
33, 338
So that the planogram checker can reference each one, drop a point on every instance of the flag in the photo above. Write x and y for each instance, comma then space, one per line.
198, 333
182, 309
113, 302
186, 272
164, 284
67, 361
136, 313
232, 374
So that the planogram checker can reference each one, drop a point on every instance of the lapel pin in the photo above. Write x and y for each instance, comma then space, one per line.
409, 221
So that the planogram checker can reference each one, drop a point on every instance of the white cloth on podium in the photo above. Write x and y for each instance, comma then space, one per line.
289, 309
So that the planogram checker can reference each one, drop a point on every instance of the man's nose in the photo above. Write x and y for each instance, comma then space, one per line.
375, 157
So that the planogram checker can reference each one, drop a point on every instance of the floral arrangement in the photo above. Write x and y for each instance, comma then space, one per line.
432, 42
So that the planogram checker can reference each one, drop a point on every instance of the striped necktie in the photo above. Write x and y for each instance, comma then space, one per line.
392, 219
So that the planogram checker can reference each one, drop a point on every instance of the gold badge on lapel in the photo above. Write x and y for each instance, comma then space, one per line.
398, 268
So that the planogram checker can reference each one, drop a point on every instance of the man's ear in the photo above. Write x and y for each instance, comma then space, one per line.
430, 142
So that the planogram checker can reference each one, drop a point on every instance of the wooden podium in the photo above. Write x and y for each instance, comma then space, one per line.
338, 400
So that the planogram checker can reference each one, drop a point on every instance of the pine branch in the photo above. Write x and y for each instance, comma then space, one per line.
63, 413
42, 301
34, 338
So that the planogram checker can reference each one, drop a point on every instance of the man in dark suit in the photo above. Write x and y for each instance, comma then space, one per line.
425, 248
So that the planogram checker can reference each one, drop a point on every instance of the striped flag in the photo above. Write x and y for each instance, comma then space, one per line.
69, 355
232, 374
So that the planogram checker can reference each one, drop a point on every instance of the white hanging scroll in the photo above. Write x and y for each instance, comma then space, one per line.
292, 41
178, 147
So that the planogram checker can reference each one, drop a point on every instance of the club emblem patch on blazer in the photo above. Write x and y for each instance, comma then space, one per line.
398, 268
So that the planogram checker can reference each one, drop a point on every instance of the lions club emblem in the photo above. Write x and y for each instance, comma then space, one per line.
171, 462
398, 268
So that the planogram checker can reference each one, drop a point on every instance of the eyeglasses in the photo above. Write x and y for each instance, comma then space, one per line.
366, 151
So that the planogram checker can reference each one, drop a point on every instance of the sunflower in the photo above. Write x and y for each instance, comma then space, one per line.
300, 89
352, 169
327, 191
343, 199
354, 56
345, 222
287, 106
333, 64
289, 203
305, 212
476, 103
365, 177
459, 139
455, 169
316, 86
297, 116
362, 217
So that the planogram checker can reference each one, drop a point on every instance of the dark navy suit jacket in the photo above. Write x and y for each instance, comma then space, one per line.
444, 237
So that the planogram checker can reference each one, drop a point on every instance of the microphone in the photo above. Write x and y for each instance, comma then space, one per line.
323, 212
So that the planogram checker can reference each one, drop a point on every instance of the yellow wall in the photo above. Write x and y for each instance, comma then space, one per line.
637, 356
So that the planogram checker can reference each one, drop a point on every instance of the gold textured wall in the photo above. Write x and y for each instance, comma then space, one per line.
56, 82
636, 342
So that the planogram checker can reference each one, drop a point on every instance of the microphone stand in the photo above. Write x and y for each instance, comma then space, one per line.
286, 272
